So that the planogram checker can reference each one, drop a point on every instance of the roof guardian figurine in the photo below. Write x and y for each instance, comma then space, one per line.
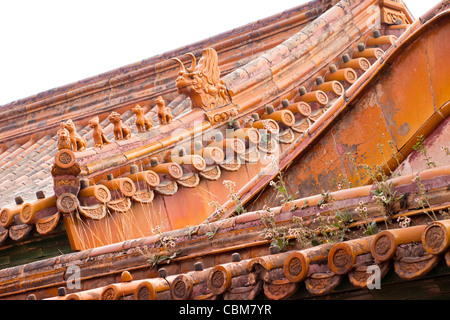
202, 83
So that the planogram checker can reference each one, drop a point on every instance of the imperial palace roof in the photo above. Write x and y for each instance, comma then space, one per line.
284, 159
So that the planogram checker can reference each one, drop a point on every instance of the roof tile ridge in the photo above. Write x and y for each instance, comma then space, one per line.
280, 211
63, 91
237, 84
37, 155
70, 94
353, 247
135, 147
8, 151
344, 194
11, 157
27, 151
258, 32
23, 162
437, 9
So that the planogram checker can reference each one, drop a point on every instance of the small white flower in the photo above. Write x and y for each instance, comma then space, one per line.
229, 182
156, 230
266, 124
383, 198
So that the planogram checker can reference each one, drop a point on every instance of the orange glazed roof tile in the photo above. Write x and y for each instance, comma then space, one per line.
276, 89
96, 163
26, 167
229, 266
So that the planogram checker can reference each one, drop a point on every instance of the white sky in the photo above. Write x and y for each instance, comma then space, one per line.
50, 43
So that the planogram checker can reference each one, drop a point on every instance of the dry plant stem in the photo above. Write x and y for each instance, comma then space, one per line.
419, 183
380, 147
355, 165
395, 156
234, 196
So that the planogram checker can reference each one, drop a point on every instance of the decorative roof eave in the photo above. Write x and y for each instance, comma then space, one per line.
266, 68
139, 148
121, 246
397, 6
181, 122
238, 234
17, 222
278, 275
135, 149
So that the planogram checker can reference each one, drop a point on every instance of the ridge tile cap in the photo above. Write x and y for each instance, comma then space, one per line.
111, 248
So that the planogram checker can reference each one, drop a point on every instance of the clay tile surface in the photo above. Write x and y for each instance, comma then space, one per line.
286, 159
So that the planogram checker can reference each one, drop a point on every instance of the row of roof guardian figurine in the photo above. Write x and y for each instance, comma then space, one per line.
68, 138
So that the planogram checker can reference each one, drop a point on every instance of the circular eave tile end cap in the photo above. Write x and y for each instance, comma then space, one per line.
383, 246
296, 267
145, 291
219, 280
436, 238
181, 287
341, 258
